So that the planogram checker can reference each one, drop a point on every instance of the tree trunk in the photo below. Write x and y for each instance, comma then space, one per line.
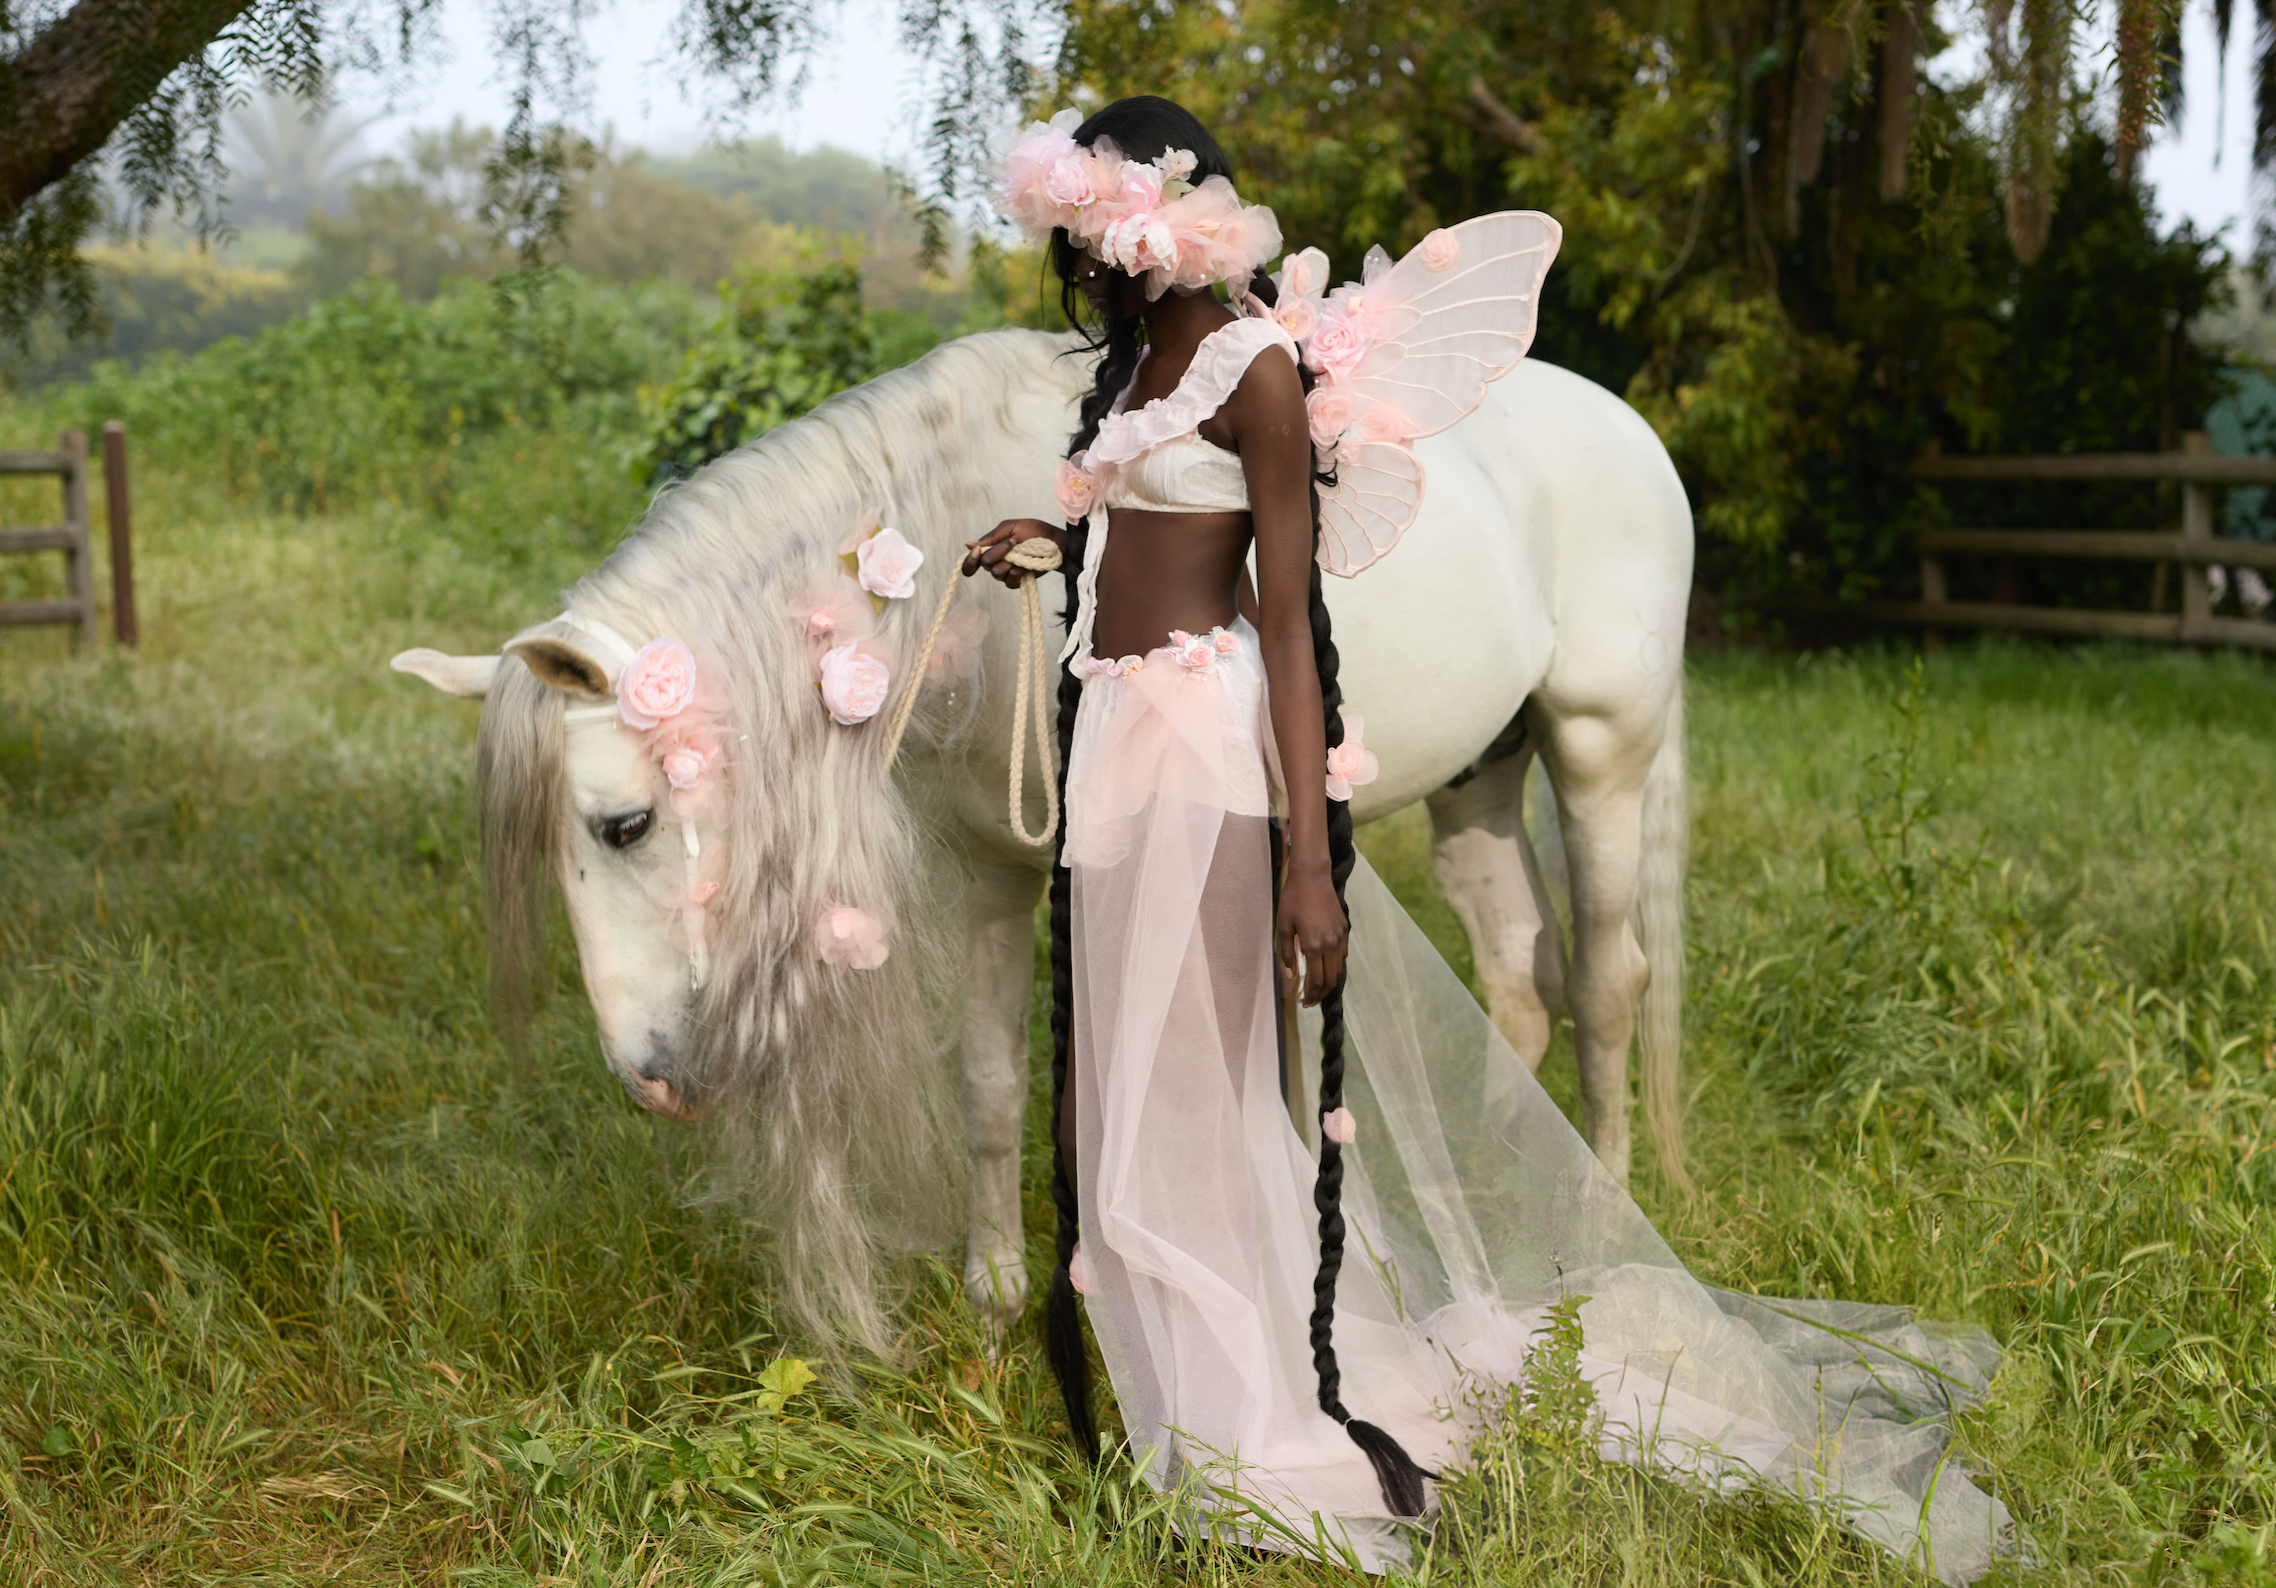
83, 74
1900, 48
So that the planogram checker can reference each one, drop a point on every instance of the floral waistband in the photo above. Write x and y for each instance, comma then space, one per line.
1196, 653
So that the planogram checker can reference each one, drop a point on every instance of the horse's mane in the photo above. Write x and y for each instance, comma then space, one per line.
832, 1106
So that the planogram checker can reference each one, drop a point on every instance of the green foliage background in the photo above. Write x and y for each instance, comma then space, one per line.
1794, 369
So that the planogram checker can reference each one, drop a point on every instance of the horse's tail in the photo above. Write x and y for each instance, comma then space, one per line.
1665, 856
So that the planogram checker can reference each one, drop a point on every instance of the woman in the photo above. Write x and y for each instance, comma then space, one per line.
1302, 1400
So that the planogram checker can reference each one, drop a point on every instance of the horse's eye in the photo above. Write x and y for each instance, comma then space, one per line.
622, 832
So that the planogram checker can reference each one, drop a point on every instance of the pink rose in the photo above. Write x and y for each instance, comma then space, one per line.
1175, 164
821, 623
685, 765
1193, 652
1329, 410
1226, 641
656, 684
1339, 343
1141, 187
849, 938
1385, 422
1440, 250
1338, 1126
887, 565
1297, 316
702, 893
1139, 241
1076, 487
854, 684
1350, 762
1069, 181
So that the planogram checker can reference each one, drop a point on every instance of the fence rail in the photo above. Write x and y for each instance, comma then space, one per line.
69, 463
2196, 469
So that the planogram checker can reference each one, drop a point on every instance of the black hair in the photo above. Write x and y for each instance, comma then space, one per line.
1143, 128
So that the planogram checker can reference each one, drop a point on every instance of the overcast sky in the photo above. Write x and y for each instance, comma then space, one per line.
862, 99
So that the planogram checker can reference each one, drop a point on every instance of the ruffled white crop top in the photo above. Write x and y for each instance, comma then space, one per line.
1153, 458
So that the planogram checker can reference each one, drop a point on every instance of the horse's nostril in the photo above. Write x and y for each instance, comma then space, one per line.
656, 1093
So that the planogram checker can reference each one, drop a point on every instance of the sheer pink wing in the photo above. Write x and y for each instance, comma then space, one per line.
1457, 312
1378, 490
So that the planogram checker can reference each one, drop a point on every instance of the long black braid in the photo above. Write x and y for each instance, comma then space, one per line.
1143, 128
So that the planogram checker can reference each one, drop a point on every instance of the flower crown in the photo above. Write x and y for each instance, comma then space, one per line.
1144, 218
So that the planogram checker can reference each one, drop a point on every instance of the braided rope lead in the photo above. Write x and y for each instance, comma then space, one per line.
1033, 558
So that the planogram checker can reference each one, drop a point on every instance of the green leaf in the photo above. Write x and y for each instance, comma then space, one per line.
57, 1442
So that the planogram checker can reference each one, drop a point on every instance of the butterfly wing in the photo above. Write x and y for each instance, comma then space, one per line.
1457, 312
1378, 490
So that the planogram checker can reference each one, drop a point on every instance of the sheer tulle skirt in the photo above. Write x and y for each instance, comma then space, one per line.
1472, 1204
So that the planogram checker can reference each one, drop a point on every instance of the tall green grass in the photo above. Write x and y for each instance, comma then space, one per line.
300, 1279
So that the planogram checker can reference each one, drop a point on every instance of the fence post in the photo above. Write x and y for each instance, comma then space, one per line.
1933, 592
122, 533
2196, 524
80, 569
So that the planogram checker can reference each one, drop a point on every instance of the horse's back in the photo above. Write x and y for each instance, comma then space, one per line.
1553, 545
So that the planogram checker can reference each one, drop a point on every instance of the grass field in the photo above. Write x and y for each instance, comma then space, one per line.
300, 1281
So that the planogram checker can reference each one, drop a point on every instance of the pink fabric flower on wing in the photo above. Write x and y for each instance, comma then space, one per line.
1304, 275
1076, 487
1339, 1127
658, 683
854, 684
1351, 762
1297, 316
1382, 421
887, 565
849, 937
1329, 410
1339, 343
1440, 251
1196, 653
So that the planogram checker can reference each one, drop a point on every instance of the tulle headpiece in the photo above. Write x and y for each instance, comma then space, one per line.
1145, 219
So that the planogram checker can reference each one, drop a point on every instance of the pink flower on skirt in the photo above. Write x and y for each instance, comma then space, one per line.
1351, 761
1226, 641
656, 684
886, 565
1339, 1127
849, 937
1196, 653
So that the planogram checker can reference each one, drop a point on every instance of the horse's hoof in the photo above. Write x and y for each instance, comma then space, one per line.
996, 1283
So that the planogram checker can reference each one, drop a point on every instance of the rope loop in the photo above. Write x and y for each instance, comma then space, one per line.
1032, 558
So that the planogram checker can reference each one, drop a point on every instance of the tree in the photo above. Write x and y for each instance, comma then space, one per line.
144, 84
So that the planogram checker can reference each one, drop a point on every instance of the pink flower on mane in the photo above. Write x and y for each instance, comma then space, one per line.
887, 565
685, 763
854, 684
849, 937
1350, 762
658, 683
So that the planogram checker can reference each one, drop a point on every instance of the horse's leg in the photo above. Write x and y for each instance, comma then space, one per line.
1598, 764
999, 977
1487, 870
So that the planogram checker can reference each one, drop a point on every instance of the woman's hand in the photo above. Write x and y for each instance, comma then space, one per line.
1311, 922
991, 553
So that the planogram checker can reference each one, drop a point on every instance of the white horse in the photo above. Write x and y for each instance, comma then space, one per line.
1536, 608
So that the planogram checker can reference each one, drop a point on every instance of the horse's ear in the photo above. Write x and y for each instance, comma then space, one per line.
467, 677
563, 659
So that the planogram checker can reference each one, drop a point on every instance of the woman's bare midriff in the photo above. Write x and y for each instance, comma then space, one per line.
1166, 571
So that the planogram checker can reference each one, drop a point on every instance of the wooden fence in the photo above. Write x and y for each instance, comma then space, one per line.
2198, 471
69, 462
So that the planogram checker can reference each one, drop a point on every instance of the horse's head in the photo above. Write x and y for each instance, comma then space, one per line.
568, 782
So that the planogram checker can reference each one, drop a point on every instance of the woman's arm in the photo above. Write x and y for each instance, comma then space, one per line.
1266, 416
